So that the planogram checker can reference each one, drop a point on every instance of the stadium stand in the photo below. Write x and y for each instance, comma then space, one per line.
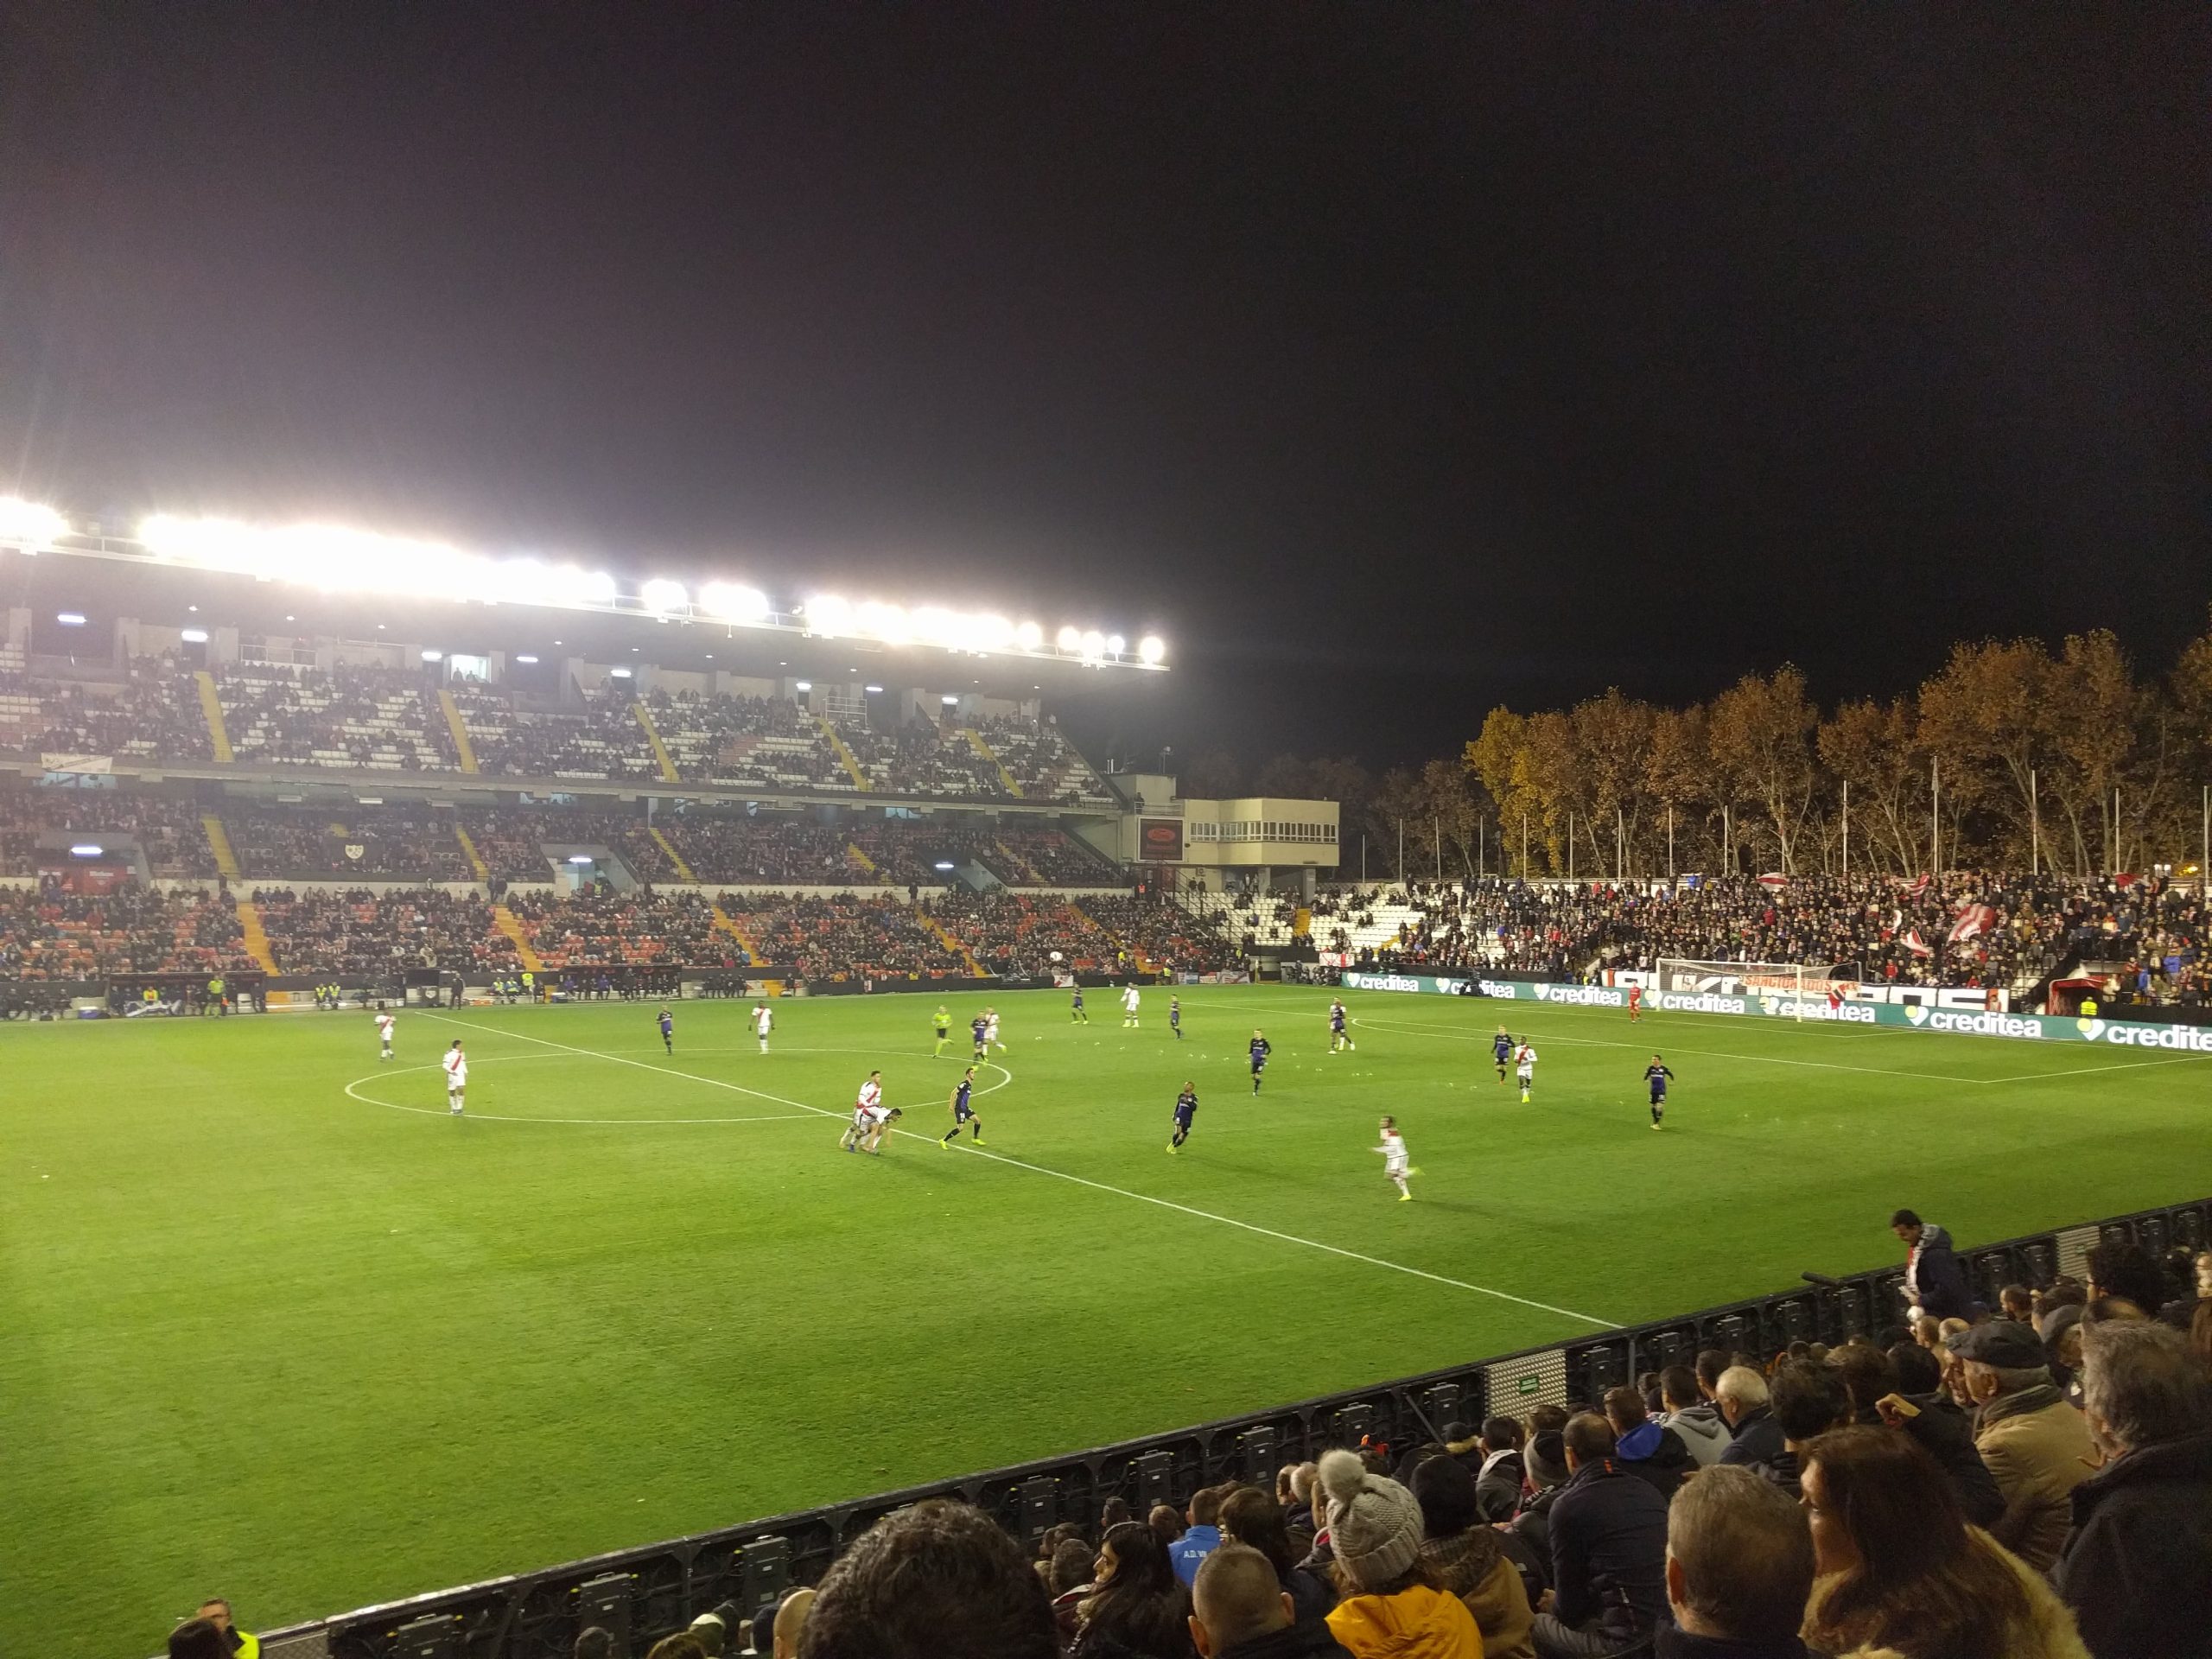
845, 937
153, 713
167, 829
356, 718
379, 934
1890, 929
48, 934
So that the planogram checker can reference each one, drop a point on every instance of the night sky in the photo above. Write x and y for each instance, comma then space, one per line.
1391, 362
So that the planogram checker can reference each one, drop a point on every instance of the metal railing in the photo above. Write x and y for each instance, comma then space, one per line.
644, 1593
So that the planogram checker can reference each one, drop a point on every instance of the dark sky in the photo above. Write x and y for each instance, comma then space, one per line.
1391, 361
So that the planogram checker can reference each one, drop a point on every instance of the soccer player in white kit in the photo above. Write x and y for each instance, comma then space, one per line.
869, 1102
763, 1020
385, 1023
1396, 1162
1129, 1005
1524, 1068
456, 1066
991, 1032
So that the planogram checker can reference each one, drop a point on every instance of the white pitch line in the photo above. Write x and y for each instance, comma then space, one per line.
1773, 1059
1060, 1174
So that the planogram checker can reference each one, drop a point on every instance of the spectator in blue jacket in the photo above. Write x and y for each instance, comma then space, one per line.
1203, 1538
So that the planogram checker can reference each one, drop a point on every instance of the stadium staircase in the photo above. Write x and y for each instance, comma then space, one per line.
859, 859
219, 845
952, 941
504, 919
482, 871
668, 772
1301, 923
1020, 866
462, 748
977, 742
211, 708
683, 870
256, 936
836, 740
729, 925
1145, 965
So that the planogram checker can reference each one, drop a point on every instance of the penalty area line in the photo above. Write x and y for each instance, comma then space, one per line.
1078, 1180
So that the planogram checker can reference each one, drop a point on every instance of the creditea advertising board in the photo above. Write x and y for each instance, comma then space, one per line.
1925, 1012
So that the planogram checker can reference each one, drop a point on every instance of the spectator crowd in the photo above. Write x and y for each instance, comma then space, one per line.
2031, 1482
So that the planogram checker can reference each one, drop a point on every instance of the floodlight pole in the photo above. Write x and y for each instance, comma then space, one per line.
1935, 816
1436, 829
1846, 828
1524, 846
1482, 848
1670, 841
2035, 827
1570, 843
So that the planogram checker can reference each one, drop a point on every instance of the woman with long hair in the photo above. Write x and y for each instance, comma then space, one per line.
1136, 1607
1250, 1517
1900, 1572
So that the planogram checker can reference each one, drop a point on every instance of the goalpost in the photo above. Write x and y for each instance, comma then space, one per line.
1803, 982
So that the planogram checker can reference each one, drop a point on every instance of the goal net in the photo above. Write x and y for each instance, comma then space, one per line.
1806, 984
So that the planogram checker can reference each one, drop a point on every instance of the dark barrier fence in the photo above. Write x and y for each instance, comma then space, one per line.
643, 1594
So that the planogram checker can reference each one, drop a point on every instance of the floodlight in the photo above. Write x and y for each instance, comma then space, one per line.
663, 597
29, 521
619, 673
949, 701
86, 849
732, 601
873, 690
434, 655
579, 858
944, 864
1029, 635
826, 613
70, 619
803, 685
1069, 638
1093, 643
526, 660
1152, 648
888, 623
194, 636
1117, 644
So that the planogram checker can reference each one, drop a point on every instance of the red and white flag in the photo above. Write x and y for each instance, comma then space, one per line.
1919, 946
1973, 919
1920, 886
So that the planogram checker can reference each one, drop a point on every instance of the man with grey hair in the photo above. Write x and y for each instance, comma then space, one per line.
2137, 1568
1755, 1439
1739, 1569
2035, 1445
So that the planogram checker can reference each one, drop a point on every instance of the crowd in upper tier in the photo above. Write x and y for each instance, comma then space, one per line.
2027, 1481
360, 718
346, 841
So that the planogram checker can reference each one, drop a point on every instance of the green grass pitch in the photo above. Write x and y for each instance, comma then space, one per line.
278, 1328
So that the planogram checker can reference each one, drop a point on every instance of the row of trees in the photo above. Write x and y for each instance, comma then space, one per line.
2014, 754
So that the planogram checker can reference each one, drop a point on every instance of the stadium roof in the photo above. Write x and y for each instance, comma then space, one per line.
306, 581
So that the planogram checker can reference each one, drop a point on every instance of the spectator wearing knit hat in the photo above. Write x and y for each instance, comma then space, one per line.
1609, 1552
1391, 1606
